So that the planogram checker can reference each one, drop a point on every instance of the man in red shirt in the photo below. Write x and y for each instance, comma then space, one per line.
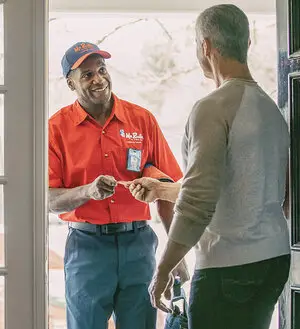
95, 143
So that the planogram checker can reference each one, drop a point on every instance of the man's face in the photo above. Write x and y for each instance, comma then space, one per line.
202, 57
91, 81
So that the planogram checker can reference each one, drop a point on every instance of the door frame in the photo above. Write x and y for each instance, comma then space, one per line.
25, 162
288, 28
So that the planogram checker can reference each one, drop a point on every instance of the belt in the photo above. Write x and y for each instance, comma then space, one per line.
108, 229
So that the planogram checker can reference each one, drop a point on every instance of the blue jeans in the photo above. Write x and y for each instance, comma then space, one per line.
237, 297
107, 274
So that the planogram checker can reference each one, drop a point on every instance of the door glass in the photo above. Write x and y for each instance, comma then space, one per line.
1, 228
295, 308
1, 134
2, 299
294, 33
1, 47
295, 157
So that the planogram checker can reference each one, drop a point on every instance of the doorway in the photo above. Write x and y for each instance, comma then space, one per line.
154, 65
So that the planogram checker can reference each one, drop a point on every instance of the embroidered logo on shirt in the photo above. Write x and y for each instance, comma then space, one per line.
133, 137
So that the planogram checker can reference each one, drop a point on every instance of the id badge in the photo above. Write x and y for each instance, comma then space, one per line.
134, 159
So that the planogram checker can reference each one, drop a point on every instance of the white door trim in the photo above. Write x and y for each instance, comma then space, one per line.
40, 140
25, 163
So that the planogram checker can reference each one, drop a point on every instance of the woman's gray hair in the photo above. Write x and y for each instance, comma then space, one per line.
227, 27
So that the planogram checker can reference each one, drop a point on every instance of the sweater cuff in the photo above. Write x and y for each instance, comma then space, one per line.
185, 231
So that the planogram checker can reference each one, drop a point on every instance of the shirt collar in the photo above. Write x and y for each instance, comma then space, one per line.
80, 115
118, 109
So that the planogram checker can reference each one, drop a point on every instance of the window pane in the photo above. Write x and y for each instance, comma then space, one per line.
1, 229
1, 47
294, 26
2, 304
1, 134
295, 309
295, 157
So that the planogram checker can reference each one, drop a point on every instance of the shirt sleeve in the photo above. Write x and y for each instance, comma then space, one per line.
153, 172
54, 167
162, 157
206, 144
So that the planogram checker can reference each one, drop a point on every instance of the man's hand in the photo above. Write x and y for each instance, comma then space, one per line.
181, 270
161, 284
102, 187
145, 189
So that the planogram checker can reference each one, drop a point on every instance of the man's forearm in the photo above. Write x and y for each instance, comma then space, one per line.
63, 200
165, 211
168, 191
172, 256
167, 195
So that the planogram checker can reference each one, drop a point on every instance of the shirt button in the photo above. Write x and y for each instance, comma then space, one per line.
103, 132
112, 201
106, 155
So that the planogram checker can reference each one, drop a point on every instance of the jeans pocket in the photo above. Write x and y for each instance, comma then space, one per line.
241, 284
154, 237
238, 291
68, 244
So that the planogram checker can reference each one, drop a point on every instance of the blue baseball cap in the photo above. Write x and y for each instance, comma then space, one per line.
76, 54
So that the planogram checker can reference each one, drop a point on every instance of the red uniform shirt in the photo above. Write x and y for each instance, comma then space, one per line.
80, 150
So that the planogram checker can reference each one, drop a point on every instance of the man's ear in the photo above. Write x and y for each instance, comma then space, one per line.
70, 83
206, 47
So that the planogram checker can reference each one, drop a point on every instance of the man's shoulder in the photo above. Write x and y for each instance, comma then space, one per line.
220, 103
207, 105
62, 116
220, 96
135, 111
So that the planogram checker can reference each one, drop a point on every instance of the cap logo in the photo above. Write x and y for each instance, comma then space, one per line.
83, 47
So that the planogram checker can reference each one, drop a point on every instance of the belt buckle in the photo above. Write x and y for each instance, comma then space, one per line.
114, 228
110, 229
106, 230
